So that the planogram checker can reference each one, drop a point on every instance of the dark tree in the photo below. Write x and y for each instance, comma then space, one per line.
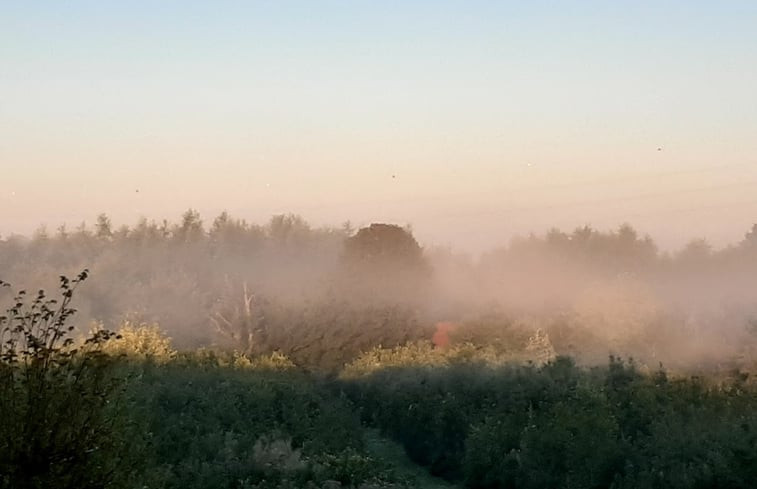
385, 262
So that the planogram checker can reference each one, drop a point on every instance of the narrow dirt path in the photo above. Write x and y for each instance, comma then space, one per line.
393, 453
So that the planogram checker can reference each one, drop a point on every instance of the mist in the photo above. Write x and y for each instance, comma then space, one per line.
325, 294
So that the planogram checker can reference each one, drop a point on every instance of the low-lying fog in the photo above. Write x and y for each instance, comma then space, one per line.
594, 292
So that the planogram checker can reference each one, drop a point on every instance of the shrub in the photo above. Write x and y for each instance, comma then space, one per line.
215, 423
560, 426
274, 453
59, 400
273, 361
422, 354
140, 342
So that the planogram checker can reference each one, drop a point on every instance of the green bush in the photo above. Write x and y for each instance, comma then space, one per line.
215, 424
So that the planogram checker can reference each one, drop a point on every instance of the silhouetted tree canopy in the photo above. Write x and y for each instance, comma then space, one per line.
385, 262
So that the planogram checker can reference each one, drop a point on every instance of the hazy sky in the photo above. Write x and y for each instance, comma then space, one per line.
472, 121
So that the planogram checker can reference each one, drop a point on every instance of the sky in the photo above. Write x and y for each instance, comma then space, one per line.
471, 121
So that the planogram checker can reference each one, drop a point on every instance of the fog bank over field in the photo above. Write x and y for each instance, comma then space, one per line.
322, 295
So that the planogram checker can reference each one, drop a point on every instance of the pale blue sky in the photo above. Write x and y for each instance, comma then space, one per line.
495, 118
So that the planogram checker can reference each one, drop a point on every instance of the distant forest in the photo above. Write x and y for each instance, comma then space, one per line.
323, 295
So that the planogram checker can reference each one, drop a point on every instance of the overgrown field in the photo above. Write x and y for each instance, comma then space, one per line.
321, 359
145, 416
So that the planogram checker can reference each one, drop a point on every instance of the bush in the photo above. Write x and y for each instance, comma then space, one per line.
59, 400
536, 350
140, 342
214, 423
560, 426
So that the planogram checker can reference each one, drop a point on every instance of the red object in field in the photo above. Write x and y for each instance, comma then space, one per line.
441, 336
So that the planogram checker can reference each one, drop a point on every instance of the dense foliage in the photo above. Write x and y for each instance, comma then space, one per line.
60, 401
127, 410
560, 426
213, 422
130, 411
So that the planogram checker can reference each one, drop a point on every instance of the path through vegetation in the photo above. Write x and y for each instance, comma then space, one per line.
385, 449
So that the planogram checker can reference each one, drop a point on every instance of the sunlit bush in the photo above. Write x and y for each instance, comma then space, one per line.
273, 361
538, 350
140, 342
